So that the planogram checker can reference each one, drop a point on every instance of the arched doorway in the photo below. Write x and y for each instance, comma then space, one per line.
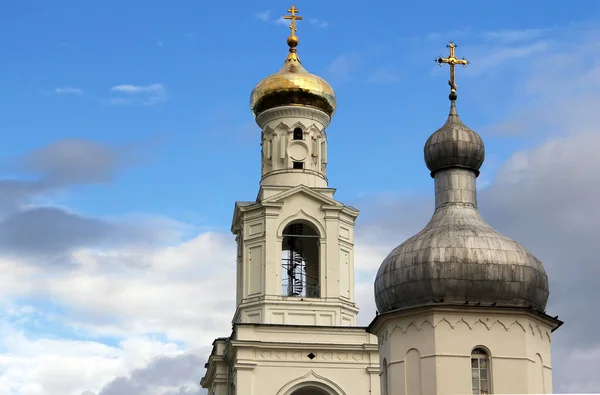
309, 391
311, 384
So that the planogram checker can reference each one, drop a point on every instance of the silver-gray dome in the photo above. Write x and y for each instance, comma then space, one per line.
454, 145
459, 258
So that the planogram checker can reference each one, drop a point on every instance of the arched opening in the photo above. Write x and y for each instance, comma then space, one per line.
298, 134
309, 391
300, 261
480, 371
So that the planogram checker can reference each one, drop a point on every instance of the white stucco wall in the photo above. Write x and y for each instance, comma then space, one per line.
430, 352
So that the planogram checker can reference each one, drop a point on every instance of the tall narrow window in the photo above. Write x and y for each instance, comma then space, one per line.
480, 371
298, 134
300, 261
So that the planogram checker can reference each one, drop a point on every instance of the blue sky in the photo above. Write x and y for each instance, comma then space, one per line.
127, 125
207, 58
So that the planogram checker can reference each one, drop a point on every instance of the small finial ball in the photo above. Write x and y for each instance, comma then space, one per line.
453, 96
292, 41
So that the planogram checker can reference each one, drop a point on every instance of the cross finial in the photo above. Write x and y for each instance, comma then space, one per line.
452, 61
293, 18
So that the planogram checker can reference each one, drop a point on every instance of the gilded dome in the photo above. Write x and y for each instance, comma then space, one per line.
292, 85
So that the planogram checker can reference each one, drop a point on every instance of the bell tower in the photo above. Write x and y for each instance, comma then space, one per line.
294, 327
295, 242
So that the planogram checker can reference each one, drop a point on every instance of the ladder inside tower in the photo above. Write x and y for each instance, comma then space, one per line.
296, 268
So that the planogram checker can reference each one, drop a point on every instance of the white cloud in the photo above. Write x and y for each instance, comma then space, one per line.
69, 91
266, 16
139, 94
263, 16
281, 21
448, 35
138, 88
67, 367
501, 56
515, 35
174, 291
385, 75
319, 22
343, 66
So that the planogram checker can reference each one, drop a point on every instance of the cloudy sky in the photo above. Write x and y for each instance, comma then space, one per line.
127, 138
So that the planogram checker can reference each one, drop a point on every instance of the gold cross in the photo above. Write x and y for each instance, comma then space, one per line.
452, 61
293, 18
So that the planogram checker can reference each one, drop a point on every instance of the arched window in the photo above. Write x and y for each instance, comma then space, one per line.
480, 371
300, 261
298, 134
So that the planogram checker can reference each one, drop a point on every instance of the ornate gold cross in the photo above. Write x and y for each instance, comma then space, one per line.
452, 61
293, 18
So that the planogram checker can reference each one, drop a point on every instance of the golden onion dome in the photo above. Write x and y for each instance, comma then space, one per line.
292, 85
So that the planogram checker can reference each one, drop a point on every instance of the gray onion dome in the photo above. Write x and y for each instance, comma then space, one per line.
458, 258
454, 145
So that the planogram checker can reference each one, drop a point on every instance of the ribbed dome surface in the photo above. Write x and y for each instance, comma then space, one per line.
459, 258
293, 85
454, 145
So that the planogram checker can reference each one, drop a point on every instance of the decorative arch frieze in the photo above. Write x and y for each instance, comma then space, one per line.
498, 325
282, 127
461, 322
268, 131
418, 325
300, 125
311, 379
314, 129
479, 321
517, 324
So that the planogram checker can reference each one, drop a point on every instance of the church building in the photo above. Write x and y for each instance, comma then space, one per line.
461, 308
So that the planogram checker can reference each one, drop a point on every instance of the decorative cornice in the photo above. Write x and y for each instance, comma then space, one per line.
293, 112
428, 308
245, 365
312, 192
373, 370
304, 171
